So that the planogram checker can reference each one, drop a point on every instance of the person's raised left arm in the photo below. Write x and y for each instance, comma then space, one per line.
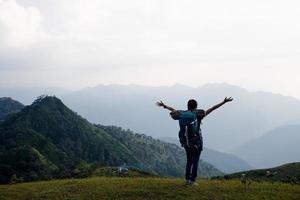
226, 100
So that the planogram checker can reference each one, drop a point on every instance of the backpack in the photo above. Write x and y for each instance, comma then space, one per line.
189, 135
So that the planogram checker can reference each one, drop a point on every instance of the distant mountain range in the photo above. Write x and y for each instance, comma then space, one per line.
276, 147
226, 162
250, 116
48, 140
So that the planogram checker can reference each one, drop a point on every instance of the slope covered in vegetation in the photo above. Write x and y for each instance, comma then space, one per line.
161, 157
286, 173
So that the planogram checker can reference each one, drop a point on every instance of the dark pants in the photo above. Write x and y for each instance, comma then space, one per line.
192, 157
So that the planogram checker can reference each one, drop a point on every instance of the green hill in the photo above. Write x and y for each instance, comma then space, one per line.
9, 106
285, 173
48, 140
146, 188
156, 156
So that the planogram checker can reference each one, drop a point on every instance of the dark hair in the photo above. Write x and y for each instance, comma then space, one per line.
192, 104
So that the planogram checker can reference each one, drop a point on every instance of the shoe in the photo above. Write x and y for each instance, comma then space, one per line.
187, 182
194, 183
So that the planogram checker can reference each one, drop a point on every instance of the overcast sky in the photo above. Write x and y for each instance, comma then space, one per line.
76, 43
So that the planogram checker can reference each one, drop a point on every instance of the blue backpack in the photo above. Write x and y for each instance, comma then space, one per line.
189, 135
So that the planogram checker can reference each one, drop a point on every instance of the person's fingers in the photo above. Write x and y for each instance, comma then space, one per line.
228, 99
159, 103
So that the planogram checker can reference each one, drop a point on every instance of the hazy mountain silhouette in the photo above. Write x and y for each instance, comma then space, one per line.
248, 117
276, 147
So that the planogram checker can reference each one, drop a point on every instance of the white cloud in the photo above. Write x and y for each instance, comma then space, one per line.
250, 43
19, 26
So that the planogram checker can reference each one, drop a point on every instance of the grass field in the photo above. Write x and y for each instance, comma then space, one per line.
146, 188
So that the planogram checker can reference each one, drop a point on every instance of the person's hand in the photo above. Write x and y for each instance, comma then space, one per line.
228, 99
160, 104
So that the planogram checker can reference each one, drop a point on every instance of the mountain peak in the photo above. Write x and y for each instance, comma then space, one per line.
9, 106
8, 99
5, 98
48, 100
44, 110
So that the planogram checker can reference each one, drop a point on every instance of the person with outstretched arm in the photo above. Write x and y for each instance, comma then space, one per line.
190, 135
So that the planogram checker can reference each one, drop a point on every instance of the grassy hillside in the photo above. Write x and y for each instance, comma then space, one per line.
146, 188
116, 172
285, 173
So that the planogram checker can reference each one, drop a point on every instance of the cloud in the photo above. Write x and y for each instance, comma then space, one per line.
19, 26
117, 41
114, 32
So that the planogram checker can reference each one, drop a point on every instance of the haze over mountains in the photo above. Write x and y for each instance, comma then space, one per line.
250, 116
276, 147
